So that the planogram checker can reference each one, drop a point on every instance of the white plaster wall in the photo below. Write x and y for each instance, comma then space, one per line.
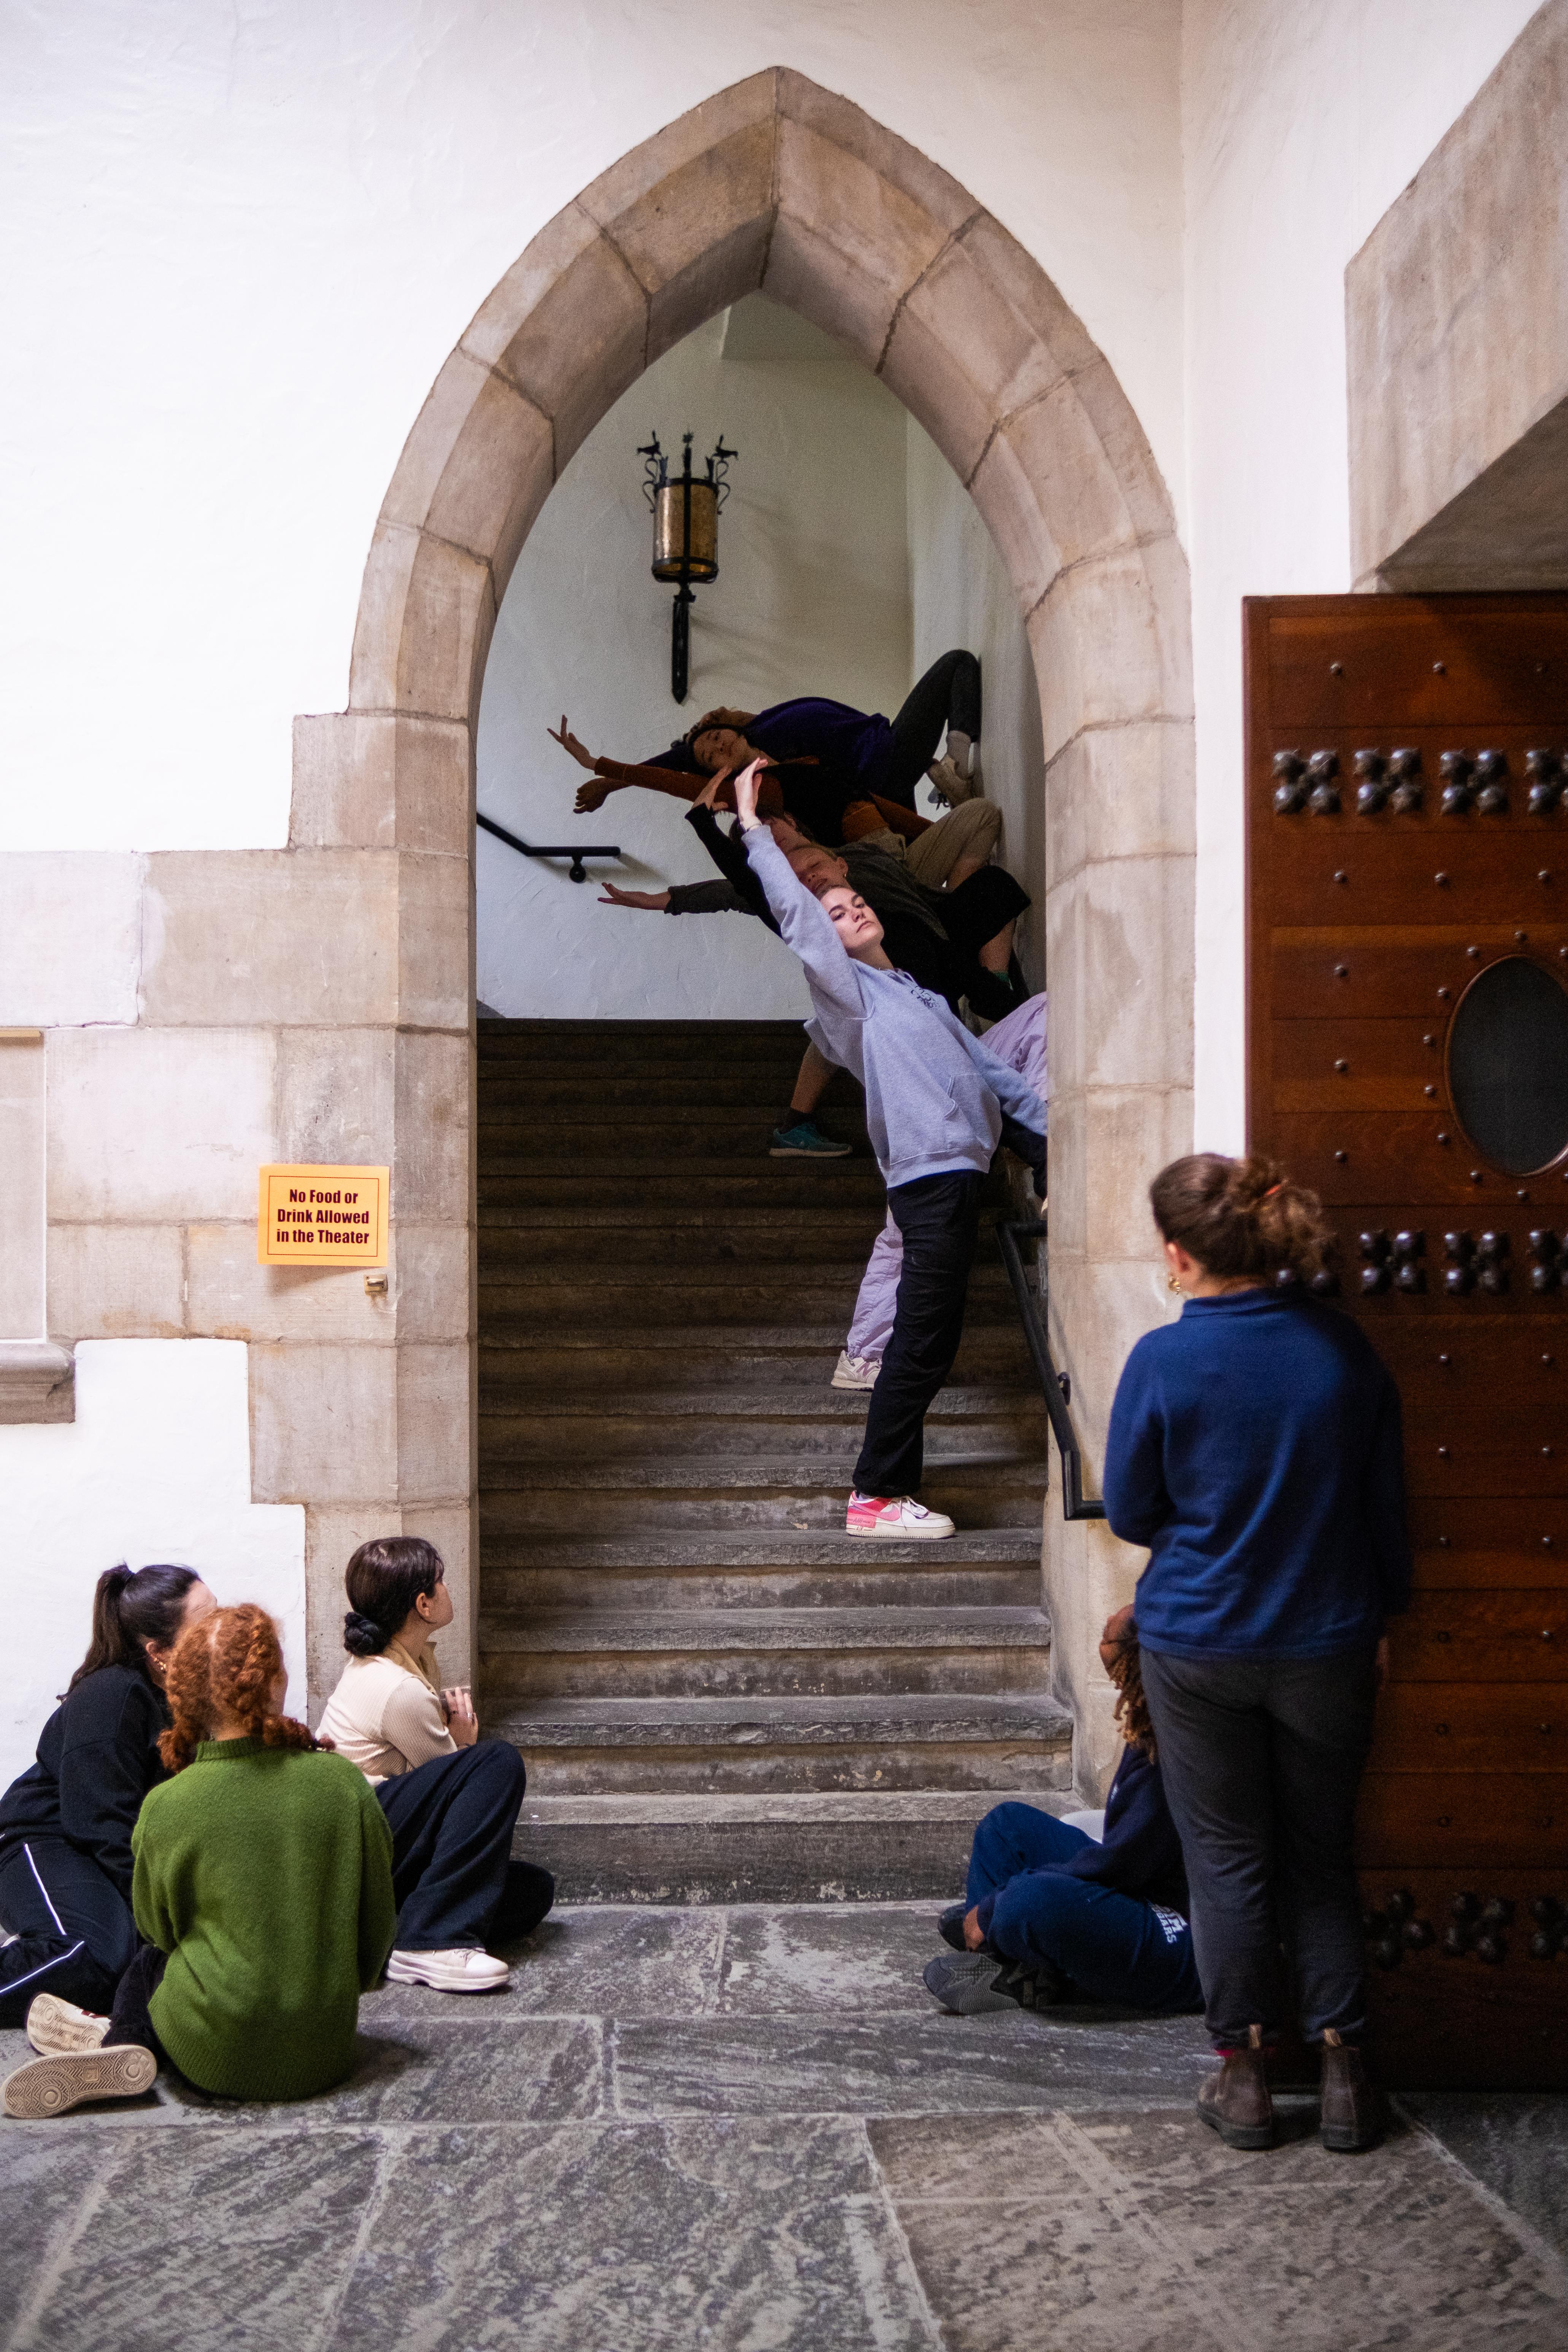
1301, 124
155, 1466
242, 241
962, 597
812, 597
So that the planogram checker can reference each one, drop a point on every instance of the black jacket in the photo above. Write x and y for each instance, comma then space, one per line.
97, 1757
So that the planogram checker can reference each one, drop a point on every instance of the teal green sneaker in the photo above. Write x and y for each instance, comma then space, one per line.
806, 1141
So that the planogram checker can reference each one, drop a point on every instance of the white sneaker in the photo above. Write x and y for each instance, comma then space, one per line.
895, 1518
467, 1969
56, 2026
855, 1372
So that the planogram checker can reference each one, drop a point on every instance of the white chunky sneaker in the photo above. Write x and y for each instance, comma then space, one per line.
78, 2078
855, 1372
467, 1969
56, 2026
895, 1518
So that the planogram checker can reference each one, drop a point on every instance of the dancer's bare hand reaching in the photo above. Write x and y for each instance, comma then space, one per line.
657, 900
746, 795
570, 742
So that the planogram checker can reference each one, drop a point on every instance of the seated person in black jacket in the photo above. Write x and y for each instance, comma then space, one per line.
1051, 1915
66, 1824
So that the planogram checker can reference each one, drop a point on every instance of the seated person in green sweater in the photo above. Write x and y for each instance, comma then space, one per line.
263, 1887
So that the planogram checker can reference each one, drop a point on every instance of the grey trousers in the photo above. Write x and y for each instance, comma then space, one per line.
1261, 1760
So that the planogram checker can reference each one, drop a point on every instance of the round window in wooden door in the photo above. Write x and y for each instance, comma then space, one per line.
1507, 1065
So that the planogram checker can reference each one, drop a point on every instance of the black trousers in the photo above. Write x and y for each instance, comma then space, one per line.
452, 1873
1261, 1760
947, 695
939, 1218
130, 2018
75, 1935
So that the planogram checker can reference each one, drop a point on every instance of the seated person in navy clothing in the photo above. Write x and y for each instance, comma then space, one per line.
1052, 1914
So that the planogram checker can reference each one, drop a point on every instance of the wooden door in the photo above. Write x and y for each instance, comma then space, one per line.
1407, 1058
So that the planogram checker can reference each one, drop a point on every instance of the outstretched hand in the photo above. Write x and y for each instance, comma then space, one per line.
746, 794
615, 897
569, 743
708, 796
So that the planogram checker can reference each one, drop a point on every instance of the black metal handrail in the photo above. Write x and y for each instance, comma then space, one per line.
1075, 1503
578, 871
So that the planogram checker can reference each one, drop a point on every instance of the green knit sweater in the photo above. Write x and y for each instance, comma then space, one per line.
266, 1874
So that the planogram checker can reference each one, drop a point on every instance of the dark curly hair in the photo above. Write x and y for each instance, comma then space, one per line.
1241, 1217
225, 1667
1131, 1707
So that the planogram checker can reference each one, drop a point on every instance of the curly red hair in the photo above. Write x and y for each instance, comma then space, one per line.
225, 1667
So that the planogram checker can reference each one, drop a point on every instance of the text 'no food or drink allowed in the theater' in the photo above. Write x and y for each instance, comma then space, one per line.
323, 1217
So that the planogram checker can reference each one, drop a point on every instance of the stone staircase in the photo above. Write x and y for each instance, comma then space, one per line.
721, 1696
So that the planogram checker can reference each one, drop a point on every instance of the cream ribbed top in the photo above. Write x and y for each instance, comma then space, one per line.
385, 1715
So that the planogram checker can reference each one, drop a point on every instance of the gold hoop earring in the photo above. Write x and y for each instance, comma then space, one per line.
1173, 1284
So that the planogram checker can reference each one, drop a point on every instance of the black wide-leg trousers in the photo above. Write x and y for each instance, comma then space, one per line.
939, 1218
1262, 1758
74, 1933
453, 1877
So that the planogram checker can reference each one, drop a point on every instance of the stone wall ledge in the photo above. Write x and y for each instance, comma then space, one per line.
37, 1382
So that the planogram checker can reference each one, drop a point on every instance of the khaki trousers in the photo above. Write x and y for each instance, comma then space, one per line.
970, 830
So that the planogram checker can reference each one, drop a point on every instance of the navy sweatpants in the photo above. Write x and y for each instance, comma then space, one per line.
1115, 1947
452, 1874
75, 1935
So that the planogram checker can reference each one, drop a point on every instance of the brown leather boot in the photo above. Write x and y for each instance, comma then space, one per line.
1353, 2112
1235, 2102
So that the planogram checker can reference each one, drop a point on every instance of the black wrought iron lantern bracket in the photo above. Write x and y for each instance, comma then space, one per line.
685, 509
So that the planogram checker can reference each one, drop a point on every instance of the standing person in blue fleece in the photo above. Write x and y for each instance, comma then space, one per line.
937, 1104
1255, 1448
1052, 1913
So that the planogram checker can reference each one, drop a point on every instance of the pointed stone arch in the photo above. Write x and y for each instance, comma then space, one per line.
780, 186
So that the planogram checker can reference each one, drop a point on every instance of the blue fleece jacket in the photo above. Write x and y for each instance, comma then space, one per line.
1255, 1448
934, 1096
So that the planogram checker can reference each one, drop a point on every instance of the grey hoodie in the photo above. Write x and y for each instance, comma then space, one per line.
934, 1096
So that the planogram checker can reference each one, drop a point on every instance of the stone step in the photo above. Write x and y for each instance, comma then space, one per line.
602, 1045
510, 1245
826, 1846
703, 1417
731, 1358
702, 1140
762, 1082
517, 1582
899, 1740
608, 1292
739, 1653
608, 1499
768, 1185
515, 1447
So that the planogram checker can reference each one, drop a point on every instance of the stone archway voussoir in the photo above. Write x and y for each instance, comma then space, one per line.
885, 235
831, 121
697, 239
659, 161
427, 616
477, 467
1100, 655
959, 335
568, 326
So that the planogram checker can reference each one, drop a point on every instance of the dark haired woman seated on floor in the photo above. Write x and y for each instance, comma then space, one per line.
1051, 1915
451, 1799
65, 1825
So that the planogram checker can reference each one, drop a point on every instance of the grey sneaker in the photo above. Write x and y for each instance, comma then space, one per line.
855, 1372
970, 1984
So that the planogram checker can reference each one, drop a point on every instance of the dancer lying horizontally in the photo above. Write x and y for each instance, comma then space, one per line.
451, 1799
65, 1826
956, 943
937, 1104
263, 1889
1019, 1040
842, 755
1050, 1915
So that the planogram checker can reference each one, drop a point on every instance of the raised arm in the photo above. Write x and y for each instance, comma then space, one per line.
803, 921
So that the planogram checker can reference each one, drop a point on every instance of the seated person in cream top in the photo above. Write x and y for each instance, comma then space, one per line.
451, 1799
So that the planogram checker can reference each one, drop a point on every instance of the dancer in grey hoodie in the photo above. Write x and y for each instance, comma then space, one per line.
937, 1104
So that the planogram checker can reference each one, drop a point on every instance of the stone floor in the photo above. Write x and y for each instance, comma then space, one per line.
748, 2128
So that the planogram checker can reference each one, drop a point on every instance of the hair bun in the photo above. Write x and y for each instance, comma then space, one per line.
363, 1637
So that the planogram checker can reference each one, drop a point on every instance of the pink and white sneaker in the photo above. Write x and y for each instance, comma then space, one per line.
896, 1519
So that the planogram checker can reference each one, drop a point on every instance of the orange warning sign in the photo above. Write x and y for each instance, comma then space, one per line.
323, 1217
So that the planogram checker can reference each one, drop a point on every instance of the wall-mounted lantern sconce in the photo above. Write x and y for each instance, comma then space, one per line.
685, 536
